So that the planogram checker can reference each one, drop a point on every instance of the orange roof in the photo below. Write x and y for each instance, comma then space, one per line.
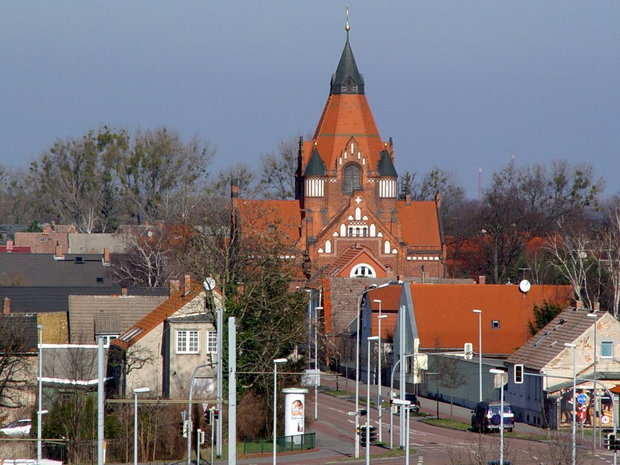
345, 116
444, 317
390, 302
419, 224
168, 308
267, 215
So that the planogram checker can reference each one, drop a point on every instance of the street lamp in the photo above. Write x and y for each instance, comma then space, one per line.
407, 405
379, 318
594, 389
135, 421
573, 432
498, 371
40, 405
479, 312
357, 363
275, 400
370, 340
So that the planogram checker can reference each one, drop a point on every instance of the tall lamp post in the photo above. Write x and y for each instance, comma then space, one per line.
498, 371
135, 421
594, 388
370, 340
574, 429
357, 364
379, 318
479, 312
40, 404
407, 405
276, 362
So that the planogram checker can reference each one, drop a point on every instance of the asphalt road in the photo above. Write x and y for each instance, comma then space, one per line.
429, 445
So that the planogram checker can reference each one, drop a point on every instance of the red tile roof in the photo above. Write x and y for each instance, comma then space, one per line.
268, 215
419, 224
444, 317
390, 302
168, 308
346, 116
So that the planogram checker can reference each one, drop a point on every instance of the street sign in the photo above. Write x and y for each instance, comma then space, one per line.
311, 378
582, 398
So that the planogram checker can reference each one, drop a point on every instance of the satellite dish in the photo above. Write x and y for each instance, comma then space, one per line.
524, 286
209, 284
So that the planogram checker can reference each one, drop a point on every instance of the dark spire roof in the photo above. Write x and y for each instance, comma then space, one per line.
347, 79
385, 167
316, 165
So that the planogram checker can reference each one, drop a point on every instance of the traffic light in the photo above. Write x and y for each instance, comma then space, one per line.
468, 350
373, 434
184, 428
216, 414
611, 443
208, 417
363, 435
518, 374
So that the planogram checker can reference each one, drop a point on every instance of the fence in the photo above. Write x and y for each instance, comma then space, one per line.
283, 444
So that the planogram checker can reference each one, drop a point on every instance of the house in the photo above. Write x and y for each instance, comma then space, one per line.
545, 397
430, 318
53, 235
169, 342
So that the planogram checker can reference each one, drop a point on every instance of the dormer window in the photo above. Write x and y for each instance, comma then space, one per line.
352, 178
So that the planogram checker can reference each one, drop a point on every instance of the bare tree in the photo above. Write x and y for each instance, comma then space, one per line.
277, 173
16, 367
450, 375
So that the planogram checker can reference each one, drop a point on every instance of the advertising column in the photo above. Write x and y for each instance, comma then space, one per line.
294, 406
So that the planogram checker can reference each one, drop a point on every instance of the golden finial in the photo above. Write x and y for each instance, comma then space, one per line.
346, 26
315, 142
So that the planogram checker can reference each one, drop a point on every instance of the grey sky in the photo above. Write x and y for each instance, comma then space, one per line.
457, 84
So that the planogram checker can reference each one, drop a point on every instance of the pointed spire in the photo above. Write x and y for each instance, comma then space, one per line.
385, 167
316, 165
347, 79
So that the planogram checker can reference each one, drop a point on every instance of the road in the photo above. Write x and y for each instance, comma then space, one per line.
430, 445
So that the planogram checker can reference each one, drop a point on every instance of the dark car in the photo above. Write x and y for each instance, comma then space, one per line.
415, 405
486, 417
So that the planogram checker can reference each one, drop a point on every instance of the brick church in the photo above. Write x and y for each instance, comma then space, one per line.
347, 217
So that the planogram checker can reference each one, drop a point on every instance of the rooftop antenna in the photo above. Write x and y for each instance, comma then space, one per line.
479, 183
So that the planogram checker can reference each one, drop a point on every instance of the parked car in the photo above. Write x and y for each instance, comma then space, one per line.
486, 417
17, 428
415, 405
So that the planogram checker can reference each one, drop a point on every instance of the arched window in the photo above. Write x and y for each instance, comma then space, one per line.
363, 270
352, 178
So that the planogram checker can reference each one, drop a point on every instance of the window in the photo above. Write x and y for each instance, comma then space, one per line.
107, 338
187, 341
211, 342
607, 349
495, 324
352, 178
363, 271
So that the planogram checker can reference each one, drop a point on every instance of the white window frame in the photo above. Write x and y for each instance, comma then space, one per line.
107, 339
191, 342
367, 271
609, 344
211, 342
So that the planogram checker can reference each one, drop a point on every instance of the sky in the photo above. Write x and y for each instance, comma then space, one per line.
457, 84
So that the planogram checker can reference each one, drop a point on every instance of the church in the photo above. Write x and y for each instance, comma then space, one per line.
347, 217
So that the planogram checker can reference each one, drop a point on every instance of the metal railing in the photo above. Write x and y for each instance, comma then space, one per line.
284, 444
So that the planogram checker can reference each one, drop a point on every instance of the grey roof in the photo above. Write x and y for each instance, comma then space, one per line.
22, 327
316, 165
86, 311
41, 269
347, 79
549, 342
27, 299
385, 167
81, 243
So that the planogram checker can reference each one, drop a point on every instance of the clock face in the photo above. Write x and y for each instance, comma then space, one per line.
524, 286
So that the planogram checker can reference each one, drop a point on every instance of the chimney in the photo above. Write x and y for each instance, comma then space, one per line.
597, 306
234, 188
174, 286
6, 306
407, 199
58, 255
577, 304
106, 256
9, 246
187, 284
124, 291
482, 279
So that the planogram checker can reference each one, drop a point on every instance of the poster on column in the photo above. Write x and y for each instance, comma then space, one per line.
294, 407
583, 402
